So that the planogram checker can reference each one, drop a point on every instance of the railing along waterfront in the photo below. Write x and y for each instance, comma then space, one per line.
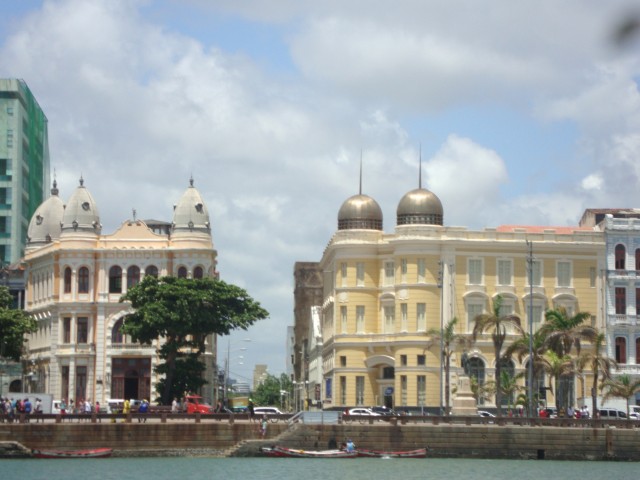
404, 420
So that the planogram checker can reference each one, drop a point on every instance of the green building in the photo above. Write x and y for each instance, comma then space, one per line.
24, 165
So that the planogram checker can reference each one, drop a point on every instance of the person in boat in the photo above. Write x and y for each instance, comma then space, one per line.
351, 447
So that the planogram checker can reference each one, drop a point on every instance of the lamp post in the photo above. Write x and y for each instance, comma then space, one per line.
226, 368
441, 287
530, 373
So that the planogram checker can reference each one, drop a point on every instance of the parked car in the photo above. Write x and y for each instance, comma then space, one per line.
384, 411
361, 411
608, 413
267, 411
549, 412
194, 404
484, 413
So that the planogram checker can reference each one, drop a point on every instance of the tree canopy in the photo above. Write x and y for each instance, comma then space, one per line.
14, 325
274, 391
184, 312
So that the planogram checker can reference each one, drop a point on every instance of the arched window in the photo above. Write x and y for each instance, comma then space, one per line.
620, 254
182, 272
83, 280
133, 276
115, 279
152, 271
621, 350
116, 333
476, 369
198, 272
67, 280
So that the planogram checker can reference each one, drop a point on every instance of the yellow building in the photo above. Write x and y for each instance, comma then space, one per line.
384, 292
76, 276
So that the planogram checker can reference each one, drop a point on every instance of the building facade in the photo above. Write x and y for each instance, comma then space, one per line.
24, 165
384, 295
76, 276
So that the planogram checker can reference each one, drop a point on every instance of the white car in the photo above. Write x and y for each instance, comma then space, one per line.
267, 411
484, 413
361, 411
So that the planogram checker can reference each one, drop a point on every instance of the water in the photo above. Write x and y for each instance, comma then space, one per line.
320, 469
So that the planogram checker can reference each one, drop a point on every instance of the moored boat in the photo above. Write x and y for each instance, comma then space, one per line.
280, 451
90, 453
417, 453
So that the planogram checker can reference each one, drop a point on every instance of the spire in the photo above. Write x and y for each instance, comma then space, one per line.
420, 168
81, 180
191, 181
360, 188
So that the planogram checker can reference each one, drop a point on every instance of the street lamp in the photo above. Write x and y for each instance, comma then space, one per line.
530, 373
226, 374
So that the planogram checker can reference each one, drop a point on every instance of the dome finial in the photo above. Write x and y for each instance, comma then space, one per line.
191, 181
81, 181
420, 168
360, 186
54, 190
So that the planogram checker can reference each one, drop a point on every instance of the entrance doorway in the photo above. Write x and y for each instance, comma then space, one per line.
131, 378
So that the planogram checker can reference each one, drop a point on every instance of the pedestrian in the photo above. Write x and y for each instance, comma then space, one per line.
175, 406
87, 407
263, 426
250, 407
143, 409
351, 447
97, 409
26, 405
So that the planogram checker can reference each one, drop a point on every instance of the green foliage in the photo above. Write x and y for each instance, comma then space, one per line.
620, 387
187, 376
184, 312
274, 391
14, 325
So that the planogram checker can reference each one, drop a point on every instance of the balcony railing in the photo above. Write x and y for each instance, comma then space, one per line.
623, 319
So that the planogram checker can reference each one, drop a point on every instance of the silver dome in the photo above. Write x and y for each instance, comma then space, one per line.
190, 213
45, 225
81, 213
420, 207
360, 212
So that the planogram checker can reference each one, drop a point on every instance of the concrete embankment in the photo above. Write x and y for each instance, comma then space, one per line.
242, 439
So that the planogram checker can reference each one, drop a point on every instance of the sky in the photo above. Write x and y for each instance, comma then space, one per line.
522, 112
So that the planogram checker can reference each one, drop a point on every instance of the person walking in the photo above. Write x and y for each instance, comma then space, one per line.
263, 426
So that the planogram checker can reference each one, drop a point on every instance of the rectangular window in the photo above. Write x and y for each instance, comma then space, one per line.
403, 360
403, 317
66, 330
564, 274
64, 377
343, 361
536, 267
475, 271
621, 301
359, 390
389, 319
343, 390
422, 390
359, 274
536, 312
422, 270
389, 273
421, 317
343, 319
83, 330
473, 310
403, 390
4, 225
504, 272
81, 383
9, 111
592, 277
403, 270
343, 273
360, 319
421, 360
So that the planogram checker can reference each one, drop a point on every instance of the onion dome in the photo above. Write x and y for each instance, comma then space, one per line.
360, 212
420, 207
45, 225
190, 214
81, 213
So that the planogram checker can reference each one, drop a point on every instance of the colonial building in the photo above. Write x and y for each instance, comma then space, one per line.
76, 276
384, 294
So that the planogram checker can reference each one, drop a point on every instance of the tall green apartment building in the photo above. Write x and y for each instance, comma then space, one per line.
24, 165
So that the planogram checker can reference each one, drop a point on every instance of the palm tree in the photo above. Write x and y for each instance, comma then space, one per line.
557, 367
480, 391
620, 387
563, 332
497, 324
598, 363
510, 386
450, 339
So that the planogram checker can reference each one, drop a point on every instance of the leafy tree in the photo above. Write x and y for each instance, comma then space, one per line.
481, 391
184, 312
599, 363
270, 391
450, 340
14, 325
620, 387
497, 324
563, 332
557, 367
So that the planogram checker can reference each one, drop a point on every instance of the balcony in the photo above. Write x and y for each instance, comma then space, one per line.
620, 319
76, 349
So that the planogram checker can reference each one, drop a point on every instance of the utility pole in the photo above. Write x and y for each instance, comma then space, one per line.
530, 264
441, 287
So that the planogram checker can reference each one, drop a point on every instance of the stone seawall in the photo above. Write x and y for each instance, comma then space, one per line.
242, 439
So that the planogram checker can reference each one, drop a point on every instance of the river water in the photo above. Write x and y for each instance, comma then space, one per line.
316, 469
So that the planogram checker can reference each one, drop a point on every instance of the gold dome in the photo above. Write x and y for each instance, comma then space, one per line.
420, 207
360, 212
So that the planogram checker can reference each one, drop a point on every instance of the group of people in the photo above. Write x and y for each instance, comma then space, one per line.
9, 408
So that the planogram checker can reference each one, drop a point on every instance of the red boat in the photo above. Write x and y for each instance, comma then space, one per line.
279, 451
92, 453
418, 453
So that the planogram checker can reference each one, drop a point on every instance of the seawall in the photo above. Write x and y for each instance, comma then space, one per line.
242, 439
